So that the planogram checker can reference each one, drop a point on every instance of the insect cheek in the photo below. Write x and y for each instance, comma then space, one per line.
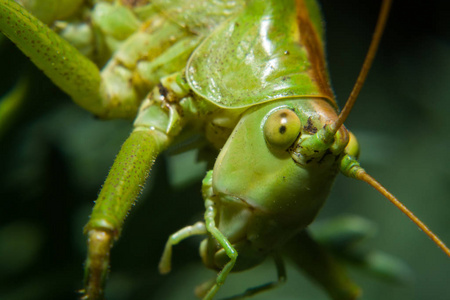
352, 147
281, 129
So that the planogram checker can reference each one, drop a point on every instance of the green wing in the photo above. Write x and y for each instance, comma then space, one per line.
260, 55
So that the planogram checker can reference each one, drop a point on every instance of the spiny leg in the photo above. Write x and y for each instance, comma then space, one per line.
127, 177
198, 228
122, 186
114, 92
61, 62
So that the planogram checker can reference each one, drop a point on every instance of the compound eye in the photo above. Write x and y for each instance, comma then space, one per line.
282, 128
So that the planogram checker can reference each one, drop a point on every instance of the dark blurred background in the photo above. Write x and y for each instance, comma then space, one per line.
54, 158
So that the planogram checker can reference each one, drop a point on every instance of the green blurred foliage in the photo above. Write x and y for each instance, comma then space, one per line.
55, 156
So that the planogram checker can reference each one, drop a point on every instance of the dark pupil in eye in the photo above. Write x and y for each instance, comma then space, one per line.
281, 129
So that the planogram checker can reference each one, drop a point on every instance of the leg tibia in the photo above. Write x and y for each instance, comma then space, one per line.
196, 229
62, 63
122, 186
126, 179
226, 245
116, 91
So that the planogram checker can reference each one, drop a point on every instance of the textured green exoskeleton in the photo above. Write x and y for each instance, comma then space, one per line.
284, 107
249, 76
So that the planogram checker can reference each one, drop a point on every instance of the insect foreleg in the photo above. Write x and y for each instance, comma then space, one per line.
61, 62
210, 215
113, 92
155, 127
198, 228
122, 186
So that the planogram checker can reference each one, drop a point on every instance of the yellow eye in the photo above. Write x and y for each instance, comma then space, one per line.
282, 128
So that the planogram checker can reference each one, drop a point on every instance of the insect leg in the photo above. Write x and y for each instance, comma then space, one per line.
198, 228
107, 93
210, 215
309, 256
157, 123
61, 62
122, 186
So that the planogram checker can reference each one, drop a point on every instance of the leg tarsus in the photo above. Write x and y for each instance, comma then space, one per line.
97, 263
198, 228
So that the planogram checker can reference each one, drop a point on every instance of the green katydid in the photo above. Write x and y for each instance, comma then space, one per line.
179, 89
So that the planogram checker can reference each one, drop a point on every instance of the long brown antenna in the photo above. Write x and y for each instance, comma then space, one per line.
381, 22
351, 166
362, 175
